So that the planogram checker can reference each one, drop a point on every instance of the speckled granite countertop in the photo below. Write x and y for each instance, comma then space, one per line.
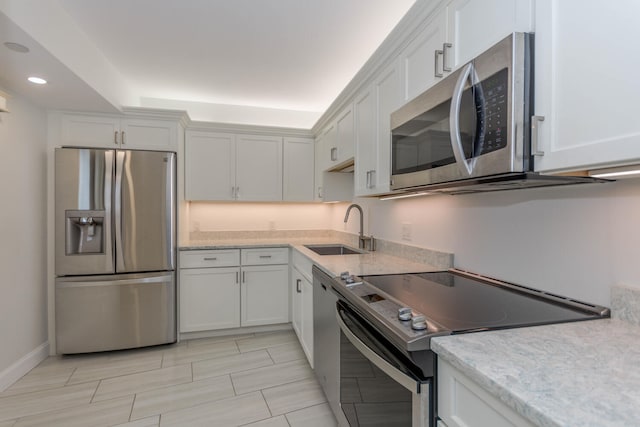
393, 258
583, 374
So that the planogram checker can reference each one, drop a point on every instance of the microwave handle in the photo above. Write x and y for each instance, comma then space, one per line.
454, 120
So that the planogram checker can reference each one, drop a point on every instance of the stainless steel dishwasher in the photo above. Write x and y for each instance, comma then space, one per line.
326, 341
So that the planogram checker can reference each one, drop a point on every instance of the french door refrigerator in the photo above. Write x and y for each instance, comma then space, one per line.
115, 251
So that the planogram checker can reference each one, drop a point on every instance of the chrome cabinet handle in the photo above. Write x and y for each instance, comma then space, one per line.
437, 72
243, 278
115, 137
445, 48
370, 175
535, 142
122, 138
210, 259
334, 154
237, 277
265, 256
298, 283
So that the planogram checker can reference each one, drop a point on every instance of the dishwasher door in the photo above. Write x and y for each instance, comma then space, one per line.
114, 312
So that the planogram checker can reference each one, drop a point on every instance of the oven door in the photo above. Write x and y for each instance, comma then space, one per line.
378, 386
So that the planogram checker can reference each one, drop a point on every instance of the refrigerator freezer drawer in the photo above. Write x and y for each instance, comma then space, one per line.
99, 313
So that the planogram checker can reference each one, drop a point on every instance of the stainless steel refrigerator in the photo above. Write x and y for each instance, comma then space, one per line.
115, 253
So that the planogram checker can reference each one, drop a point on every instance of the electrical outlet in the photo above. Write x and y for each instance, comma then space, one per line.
406, 231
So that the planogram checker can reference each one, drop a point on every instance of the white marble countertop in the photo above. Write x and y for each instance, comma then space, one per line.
368, 263
582, 374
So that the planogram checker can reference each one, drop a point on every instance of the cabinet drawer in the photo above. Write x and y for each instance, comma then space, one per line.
211, 258
263, 256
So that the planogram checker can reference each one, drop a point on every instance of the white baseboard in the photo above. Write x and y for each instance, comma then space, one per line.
29, 361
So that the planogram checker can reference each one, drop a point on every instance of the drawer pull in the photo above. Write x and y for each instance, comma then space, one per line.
211, 259
298, 282
265, 256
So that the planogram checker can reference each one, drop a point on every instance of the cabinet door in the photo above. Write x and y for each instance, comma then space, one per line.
210, 166
259, 168
463, 403
366, 143
421, 60
345, 136
306, 339
149, 134
388, 99
209, 299
90, 131
475, 26
296, 302
298, 178
586, 88
264, 295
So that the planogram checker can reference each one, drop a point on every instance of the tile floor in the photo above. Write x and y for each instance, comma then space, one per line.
253, 380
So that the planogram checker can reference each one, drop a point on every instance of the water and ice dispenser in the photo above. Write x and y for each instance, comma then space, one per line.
84, 232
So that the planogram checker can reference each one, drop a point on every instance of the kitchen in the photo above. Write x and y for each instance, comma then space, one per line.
574, 241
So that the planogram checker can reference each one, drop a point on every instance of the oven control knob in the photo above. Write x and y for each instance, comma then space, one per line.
404, 313
419, 322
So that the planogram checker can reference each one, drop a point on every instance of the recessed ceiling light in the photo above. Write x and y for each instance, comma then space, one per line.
16, 47
37, 80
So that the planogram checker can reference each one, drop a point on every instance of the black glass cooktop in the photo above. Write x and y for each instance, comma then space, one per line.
461, 304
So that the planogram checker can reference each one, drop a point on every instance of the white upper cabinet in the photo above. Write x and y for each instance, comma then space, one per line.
586, 87
298, 178
423, 59
474, 26
258, 168
366, 142
210, 166
373, 171
221, 166
79, 130
330, 186
345, 137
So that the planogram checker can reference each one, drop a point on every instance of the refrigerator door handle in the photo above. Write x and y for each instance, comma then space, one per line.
90, 282
118, 232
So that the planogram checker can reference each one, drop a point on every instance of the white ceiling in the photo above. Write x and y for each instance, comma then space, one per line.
293, 55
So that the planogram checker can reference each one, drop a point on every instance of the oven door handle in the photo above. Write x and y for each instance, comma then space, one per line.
400, 377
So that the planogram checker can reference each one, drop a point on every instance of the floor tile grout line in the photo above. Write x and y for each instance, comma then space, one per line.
95, 391
266, 404
132, 405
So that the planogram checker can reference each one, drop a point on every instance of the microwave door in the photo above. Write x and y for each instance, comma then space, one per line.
464, 120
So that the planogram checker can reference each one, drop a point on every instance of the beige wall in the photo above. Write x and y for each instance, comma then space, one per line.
23, 233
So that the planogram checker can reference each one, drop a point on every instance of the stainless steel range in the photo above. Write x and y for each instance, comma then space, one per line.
386, 322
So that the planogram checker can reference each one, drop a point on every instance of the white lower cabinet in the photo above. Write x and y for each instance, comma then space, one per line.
264, 297
209, 299
302, 308
230, 288
463, 403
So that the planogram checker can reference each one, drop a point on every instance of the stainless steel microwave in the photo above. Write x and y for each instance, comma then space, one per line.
475, 123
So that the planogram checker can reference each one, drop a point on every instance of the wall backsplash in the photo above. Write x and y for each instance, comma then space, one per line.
625, 304
576, 241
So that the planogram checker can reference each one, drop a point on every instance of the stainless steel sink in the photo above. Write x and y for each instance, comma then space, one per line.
334, 249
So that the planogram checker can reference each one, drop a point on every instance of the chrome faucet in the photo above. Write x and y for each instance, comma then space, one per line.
362, 240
